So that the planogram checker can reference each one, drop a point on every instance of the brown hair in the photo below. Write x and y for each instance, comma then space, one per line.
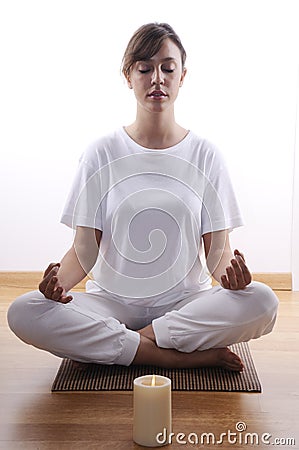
146, 42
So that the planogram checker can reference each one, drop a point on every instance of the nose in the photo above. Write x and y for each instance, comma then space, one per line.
157, 77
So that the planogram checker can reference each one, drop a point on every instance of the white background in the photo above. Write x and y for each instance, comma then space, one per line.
61, 88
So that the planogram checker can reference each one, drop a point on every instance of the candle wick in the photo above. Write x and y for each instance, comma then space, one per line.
153, 380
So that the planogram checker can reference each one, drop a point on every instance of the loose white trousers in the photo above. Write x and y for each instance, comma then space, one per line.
97, 328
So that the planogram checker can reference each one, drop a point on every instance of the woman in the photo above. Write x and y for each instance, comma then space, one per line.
145, 200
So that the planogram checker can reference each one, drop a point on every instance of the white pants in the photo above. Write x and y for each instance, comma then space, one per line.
97, 328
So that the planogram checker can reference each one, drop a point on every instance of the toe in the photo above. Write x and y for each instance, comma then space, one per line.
231, 361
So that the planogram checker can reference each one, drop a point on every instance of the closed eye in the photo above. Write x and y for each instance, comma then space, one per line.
148, 70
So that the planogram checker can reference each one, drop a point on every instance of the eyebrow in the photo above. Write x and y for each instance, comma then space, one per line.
168, 58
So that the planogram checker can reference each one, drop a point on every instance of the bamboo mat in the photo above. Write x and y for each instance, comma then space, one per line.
95, 377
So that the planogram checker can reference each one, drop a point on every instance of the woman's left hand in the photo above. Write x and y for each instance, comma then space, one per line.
237, 275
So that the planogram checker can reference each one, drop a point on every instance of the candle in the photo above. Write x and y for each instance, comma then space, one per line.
152, 409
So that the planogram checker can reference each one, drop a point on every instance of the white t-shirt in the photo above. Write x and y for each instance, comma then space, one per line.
153, 206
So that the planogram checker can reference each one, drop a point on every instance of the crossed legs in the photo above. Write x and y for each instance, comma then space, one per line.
197, 333
194, 332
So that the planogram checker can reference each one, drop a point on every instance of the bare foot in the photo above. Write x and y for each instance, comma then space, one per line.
149, 353
214, 357
220, 357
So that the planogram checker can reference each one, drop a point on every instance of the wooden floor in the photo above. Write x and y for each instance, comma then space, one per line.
33, 418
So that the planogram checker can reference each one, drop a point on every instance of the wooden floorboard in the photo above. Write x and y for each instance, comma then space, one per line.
33, 418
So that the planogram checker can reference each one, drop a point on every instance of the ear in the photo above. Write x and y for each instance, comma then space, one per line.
183, 76
129, 82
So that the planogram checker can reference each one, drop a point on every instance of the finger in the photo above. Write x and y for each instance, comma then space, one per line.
238, 274
50, 267
231, 278
224, 282
246, 272
43, 284
57, 293
65, 299
238, 253
50, 287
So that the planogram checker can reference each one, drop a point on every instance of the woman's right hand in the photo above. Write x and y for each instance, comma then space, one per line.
51, 287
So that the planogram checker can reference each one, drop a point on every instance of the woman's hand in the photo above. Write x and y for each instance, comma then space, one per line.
237, 275
51, 287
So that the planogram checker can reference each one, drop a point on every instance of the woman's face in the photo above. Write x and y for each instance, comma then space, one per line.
156, 81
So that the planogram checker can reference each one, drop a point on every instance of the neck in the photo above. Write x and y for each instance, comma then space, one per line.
156, 131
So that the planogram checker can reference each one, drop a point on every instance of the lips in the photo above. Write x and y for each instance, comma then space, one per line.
157, 94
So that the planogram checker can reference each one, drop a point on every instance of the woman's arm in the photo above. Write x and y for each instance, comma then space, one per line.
59, 278
227, 268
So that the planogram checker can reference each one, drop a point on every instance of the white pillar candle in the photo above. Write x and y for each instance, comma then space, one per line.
152, 409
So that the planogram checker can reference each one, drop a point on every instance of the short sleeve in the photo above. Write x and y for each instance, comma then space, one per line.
220, 208
83, 206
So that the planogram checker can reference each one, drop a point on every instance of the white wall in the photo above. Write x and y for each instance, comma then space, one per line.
61, 88
295, 228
